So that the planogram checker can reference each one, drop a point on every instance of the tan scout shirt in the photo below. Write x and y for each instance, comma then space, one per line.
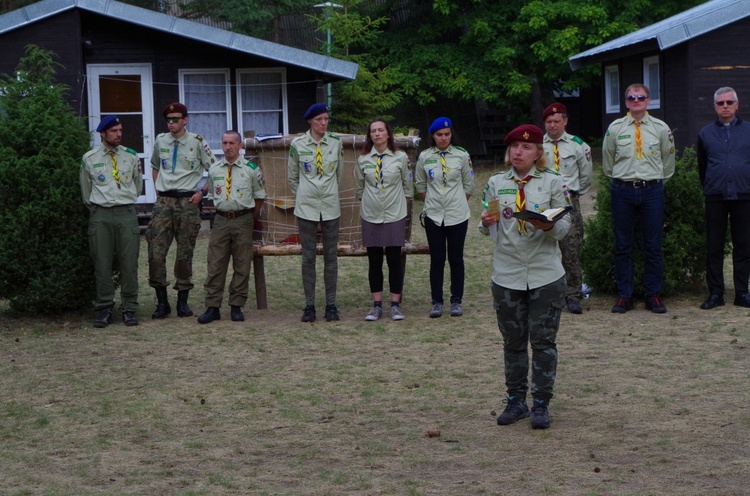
445, 204
246, 187
98, 184
387, 202
576, 167
193, 157
619, 150
530, 261
316, 196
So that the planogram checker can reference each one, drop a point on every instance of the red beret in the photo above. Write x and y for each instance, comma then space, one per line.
527, 133
555, 108
175, 107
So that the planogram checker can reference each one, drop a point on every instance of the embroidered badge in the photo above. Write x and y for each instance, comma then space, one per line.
507, 213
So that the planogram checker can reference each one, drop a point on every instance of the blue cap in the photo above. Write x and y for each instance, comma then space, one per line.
315, 110
107, 122
440, 123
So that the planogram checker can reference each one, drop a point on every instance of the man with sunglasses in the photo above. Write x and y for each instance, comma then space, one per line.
723, 152
177, 164
638, 156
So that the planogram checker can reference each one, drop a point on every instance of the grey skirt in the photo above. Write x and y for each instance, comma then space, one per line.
388, 234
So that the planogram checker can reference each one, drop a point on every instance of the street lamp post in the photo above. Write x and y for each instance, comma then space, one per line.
328, 6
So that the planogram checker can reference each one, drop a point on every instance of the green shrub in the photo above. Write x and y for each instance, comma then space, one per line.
683, 242
44, 261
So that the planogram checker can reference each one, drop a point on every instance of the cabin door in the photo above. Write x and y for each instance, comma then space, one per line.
125, 90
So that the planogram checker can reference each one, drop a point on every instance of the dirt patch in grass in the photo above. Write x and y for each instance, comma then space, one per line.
644, 403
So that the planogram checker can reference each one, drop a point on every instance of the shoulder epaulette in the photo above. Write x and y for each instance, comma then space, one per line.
130, 150
462, 149
551, 171
251, 165
334, 136
578, 140
199, 137
161, 134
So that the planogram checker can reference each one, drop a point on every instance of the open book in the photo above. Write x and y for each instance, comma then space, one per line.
549, 215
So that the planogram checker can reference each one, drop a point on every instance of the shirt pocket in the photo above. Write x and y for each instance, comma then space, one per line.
625, 148
538, 201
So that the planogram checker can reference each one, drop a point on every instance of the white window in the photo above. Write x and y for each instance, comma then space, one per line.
205, 92
261, 101
651, 80
612, 89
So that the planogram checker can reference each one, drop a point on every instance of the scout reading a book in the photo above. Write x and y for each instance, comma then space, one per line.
528, 279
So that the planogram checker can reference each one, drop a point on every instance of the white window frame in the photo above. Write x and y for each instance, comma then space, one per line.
214, 141
284, 104
611, 95
654, 87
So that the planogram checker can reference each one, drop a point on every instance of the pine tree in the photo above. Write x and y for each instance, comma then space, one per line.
44, 261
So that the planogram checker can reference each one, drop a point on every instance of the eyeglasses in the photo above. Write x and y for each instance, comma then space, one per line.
173, 119
640, 98
728, 103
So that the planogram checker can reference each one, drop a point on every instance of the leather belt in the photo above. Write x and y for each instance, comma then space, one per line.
235, 213
638, 184
177, 194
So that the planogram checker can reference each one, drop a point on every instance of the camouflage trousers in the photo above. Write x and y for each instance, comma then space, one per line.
570, 247
173, 219
308, 238
531, 316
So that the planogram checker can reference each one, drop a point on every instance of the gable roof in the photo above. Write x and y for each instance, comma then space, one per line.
671, 31
338, 69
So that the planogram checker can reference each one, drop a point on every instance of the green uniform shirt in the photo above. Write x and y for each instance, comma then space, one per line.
524, 261
246, 185
184, 171
316, 195
98, 183
386, 202
445, 202
619, 159
576, 167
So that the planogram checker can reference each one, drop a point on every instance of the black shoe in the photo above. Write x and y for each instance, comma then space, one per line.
162, 304
309, 314
742, 299
515, 410
211, 314
129, 319
713, 301
574, 306
104, 318
539, 415
622, 305
331, 313
237, 315
183, 310
655, 304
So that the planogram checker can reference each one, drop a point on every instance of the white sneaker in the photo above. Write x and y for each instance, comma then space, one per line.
374, 313
396, 313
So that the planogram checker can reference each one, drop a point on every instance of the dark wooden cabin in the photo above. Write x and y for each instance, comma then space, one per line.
125, 60
683, 60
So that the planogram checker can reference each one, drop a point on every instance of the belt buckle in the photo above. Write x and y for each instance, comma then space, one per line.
639, 184
231, 215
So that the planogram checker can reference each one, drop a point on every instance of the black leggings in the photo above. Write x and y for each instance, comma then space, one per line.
395, 272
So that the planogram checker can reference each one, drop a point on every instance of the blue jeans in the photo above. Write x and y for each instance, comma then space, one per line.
647, 205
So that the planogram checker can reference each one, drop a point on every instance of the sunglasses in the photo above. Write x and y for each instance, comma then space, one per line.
640, 98
728, 103
173, 119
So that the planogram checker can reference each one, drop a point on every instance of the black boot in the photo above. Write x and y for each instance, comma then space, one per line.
162, 304
183, 310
